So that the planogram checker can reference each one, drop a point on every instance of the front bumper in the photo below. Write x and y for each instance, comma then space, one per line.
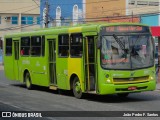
123, 88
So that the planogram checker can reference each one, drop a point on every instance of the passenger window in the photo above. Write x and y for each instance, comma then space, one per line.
9, 46
63, 45
36, 46
76, 45
25, 46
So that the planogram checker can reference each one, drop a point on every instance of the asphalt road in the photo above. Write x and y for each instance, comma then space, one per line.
15, 97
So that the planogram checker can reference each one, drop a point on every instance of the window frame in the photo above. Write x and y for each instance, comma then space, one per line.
26, 20
25, 46
63, 45
132, 2
76, 45
8, 46
151, 3
38, 20
43, 45
14, 20
142, 3
36, 46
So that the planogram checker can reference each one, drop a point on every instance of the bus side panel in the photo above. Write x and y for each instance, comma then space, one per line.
39, 71
75, 66
8, 67
24, 64
62, 71
36, 68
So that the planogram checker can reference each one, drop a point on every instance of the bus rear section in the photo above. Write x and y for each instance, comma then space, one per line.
126, 62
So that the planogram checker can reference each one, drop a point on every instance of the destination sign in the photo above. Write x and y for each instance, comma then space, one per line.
125, 29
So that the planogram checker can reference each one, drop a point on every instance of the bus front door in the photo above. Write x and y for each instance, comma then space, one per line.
90, 63
52, 61
16, 59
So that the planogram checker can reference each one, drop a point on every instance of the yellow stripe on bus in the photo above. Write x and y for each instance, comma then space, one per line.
75, 67
75, 30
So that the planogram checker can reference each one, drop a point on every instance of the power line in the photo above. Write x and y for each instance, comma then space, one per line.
36, 3
125, 9
104, 16
17, 8
19, 27
13, 1
30, 9
24, 12
67, 3
85, 3
95, 20
109, 10
135, 15
94, 2
72, 19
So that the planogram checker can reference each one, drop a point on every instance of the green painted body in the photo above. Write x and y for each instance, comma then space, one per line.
68, 68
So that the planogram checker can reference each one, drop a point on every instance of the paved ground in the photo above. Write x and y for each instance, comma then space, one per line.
14, 96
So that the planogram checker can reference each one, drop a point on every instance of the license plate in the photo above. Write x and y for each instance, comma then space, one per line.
132, 88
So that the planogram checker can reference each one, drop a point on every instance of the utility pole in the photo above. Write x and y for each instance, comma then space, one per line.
46, 14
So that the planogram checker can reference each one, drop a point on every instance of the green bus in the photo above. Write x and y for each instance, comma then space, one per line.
102, 59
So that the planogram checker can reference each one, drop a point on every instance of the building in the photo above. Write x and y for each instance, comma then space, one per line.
105, 8
149, 13
109, 11
62, 12
148, 10
137, 7
17, 16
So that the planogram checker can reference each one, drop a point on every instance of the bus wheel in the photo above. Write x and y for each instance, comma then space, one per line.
77, 88
123, 94
28, 81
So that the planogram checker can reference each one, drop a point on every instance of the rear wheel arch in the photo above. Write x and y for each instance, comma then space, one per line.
77, 88
71, 80
27, 80
24, 74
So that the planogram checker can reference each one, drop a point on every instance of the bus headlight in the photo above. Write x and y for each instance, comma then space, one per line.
108, 81
151, 78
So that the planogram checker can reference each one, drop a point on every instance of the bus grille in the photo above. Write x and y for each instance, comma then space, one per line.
131, 79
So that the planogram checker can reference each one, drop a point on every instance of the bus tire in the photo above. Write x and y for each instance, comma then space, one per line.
77, 91
28, 81
122, 95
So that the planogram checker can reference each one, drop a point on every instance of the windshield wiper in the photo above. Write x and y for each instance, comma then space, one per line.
122, 46
119, 42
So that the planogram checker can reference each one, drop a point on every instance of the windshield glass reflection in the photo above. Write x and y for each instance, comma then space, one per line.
126, 52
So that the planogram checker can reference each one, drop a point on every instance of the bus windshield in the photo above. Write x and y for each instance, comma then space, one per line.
130, 51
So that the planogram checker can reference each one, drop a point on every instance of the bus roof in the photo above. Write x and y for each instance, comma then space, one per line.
68, 29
